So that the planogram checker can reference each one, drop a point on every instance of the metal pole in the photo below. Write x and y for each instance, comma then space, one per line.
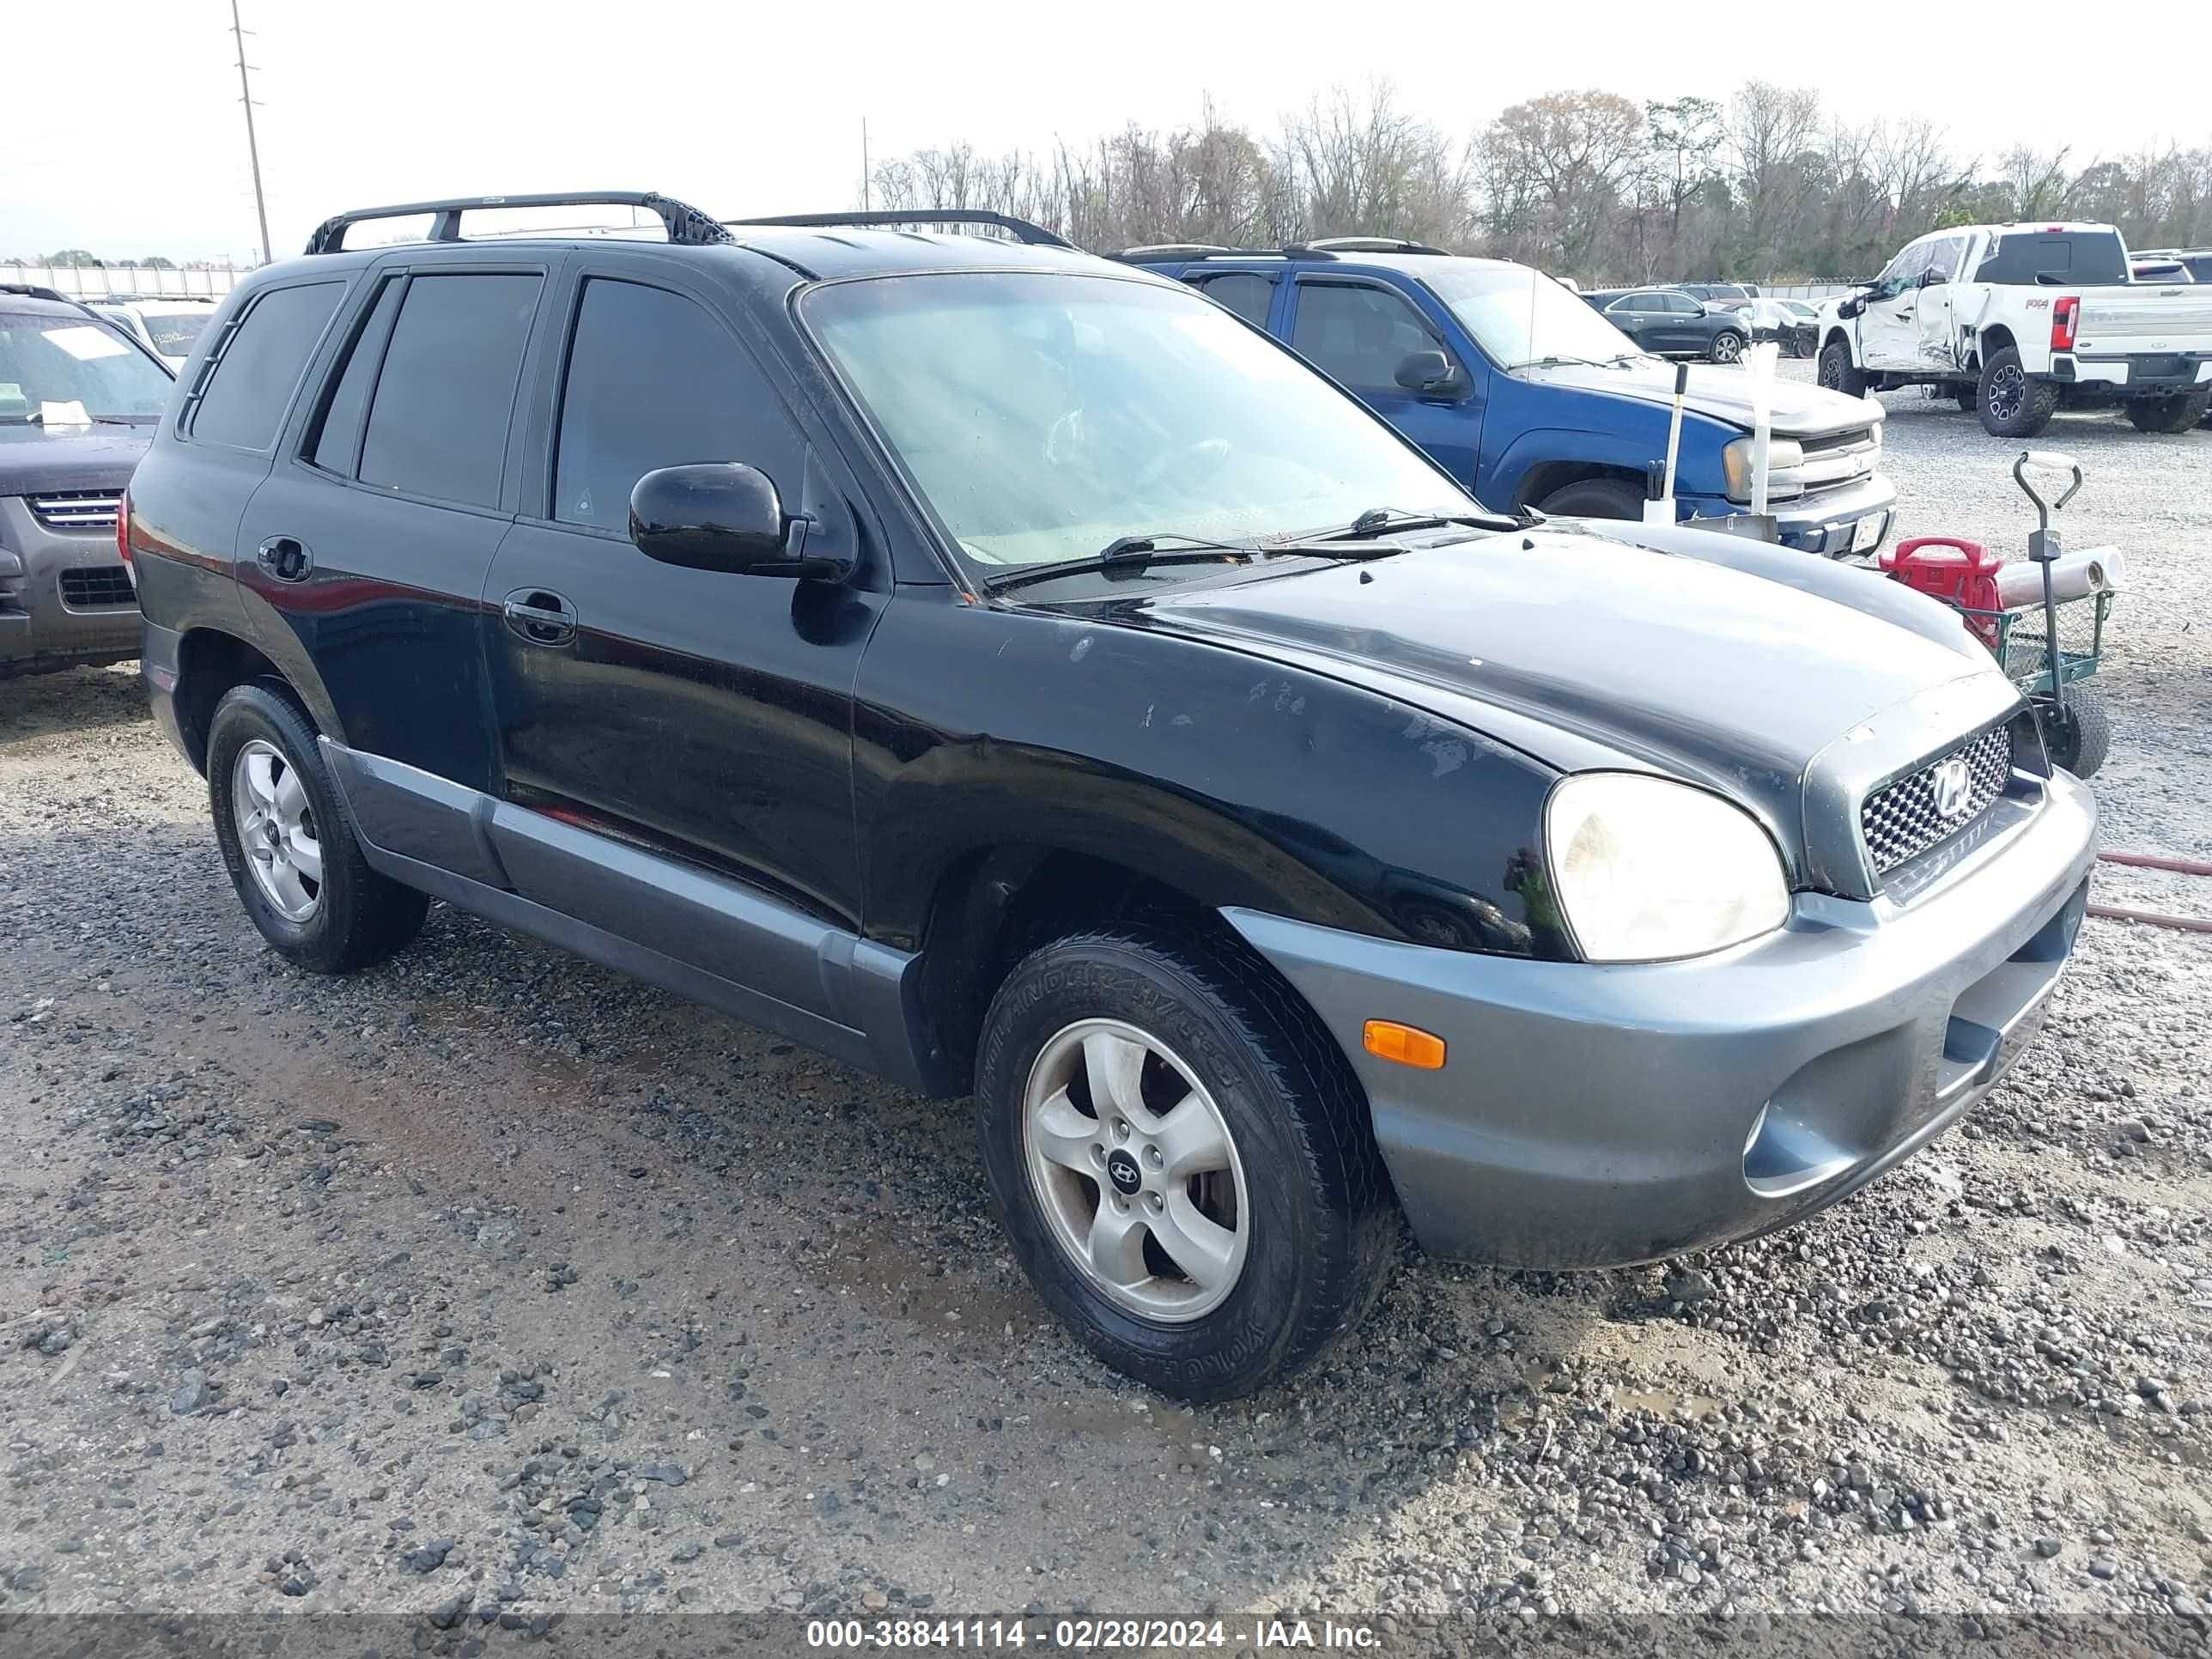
865, 203
252, 147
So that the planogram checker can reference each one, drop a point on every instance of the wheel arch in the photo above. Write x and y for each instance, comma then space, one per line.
210, 662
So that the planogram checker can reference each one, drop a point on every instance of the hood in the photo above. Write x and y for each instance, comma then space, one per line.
1798, 411
1725, 676
34, 460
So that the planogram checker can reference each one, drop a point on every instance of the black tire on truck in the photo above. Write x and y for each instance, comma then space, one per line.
1183, 1156
1595, 498
2079, 739
288, 845
2012, 402
2176, 413
1838, 372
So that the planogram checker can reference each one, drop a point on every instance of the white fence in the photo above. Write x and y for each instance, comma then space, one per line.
94, 282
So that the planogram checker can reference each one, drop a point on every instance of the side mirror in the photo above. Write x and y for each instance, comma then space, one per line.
722, 516
1851, 308
1432, 374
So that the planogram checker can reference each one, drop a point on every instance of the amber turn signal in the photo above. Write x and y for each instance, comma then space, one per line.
1409, 1045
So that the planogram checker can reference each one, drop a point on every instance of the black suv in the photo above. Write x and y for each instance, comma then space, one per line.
79, 398
1007, 671
1670, 323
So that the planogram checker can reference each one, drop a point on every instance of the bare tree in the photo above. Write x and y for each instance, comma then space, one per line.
1560, 165
2037, 180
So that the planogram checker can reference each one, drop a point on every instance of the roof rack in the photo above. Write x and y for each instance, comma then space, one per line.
1365, 245
1206, 250
686, 224
37, 291
1023, 231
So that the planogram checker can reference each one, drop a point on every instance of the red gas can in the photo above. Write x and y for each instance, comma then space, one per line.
1960, 573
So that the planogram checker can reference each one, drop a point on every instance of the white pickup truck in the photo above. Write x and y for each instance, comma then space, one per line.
2021, 320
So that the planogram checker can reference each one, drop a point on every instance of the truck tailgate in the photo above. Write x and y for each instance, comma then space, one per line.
2144, 319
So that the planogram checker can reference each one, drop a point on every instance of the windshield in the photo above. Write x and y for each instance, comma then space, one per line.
1519, 316
174, 332
1045, 415
62, 370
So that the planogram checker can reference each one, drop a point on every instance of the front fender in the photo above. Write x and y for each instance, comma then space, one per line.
1226, 775
1621, 433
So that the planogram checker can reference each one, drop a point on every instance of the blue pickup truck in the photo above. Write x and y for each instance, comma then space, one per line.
1531, 398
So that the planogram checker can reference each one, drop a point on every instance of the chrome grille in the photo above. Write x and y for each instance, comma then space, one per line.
98, 588
1901, 820
77, 509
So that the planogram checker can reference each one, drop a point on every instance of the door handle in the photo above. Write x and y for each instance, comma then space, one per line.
540, 617
285, 558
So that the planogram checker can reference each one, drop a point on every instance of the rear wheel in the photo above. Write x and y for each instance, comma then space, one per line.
2079, 739
1838, 372
1595, 498
1183, 1158
290, 849
2177, 413
2012, 403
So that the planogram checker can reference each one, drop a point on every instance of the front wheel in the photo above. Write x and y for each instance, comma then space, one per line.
1838, 372
2079, 739
1595, 498
2177, 413
2012, 404
1183, 1158
1726, 347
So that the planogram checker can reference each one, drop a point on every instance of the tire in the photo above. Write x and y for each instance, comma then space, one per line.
276, 811
2010, 403
2079, 741
1595, 498
1296, 1186
1726, 347
1837, 372
2177, 413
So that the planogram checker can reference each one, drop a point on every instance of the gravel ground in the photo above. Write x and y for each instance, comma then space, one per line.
490, 1282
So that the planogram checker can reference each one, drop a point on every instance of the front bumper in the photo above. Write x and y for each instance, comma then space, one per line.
1591, 1116
1827, 523
62, 595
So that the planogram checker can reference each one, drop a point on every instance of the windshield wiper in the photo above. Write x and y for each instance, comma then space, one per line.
40, 419
1129, 553
1376, 520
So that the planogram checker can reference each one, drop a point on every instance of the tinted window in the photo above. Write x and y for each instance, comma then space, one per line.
1682, 305
653, 380
2022, 257
2200, 266
1248, 296
246, 388
438, 425
1360, 335
338, 442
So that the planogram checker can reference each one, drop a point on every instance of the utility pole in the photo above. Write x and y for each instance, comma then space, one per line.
252, 148
865, 203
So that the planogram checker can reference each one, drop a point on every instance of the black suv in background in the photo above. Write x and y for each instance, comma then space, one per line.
79, 398
1668, 323
1008, 671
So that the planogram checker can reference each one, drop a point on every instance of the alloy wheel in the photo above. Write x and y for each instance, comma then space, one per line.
277, 829
2007, 388
1134, 1166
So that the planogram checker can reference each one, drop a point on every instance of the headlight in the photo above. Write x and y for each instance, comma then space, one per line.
1647, 871
1782, 455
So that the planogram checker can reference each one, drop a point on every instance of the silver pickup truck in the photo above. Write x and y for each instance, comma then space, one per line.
2022, 320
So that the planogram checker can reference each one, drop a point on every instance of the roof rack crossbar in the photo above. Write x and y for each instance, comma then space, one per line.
1196, 251
1366, 245
1033, 235
685, 223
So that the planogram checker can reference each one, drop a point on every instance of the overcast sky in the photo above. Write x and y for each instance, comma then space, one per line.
122, 132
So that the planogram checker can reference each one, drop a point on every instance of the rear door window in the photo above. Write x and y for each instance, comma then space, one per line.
2027, 257
445, 397
337, 442
655, 380
1249, 296
245, 390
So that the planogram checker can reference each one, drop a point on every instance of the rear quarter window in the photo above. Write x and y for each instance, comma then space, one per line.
245, 390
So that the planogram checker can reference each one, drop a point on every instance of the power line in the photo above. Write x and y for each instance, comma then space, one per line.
252, 147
